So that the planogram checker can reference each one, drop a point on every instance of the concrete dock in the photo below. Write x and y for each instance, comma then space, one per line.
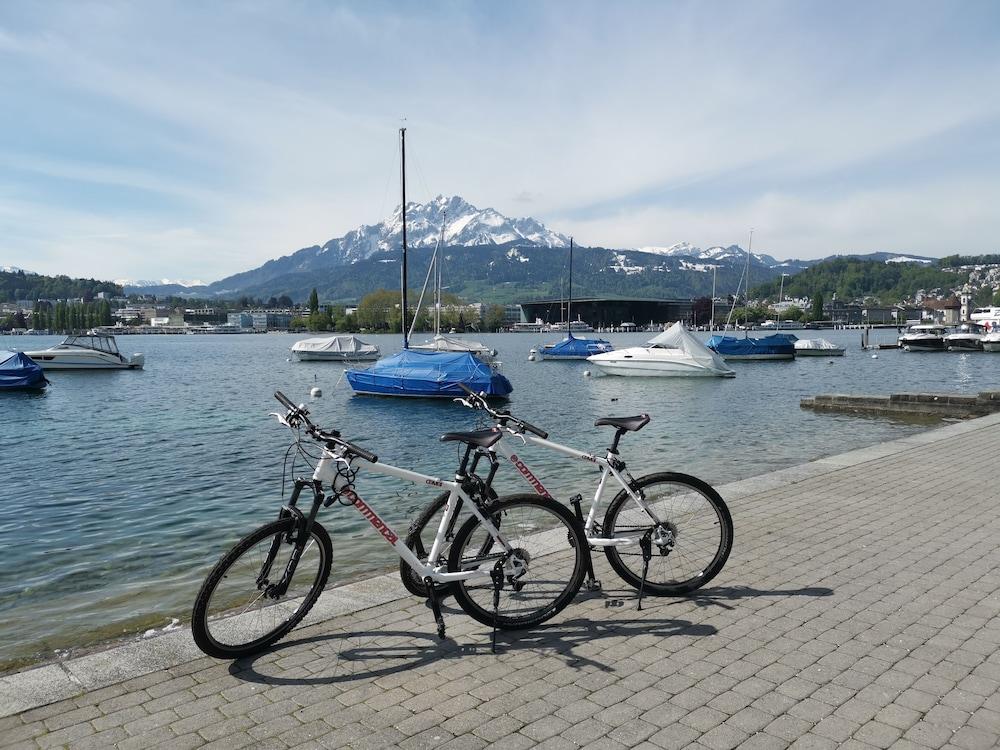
860, 608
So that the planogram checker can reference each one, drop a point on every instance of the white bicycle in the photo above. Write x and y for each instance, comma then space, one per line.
514, 563
664, 533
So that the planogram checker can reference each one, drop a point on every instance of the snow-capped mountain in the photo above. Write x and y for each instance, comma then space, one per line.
716, 253
158, 282
464, 224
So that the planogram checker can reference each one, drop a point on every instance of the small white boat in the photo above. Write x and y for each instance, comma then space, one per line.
674, 353
92, 351
818, 348
334, 349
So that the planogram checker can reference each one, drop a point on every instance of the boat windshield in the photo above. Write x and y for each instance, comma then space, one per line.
98, 343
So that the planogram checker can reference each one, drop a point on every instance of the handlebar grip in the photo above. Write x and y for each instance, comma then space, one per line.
371, 457
284, 400
535, 430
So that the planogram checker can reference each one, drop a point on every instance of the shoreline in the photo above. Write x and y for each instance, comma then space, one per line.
112, 662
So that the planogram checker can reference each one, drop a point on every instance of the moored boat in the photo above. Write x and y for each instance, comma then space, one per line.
674, 353
818, 348
968, 338
334, 349
572, 347
991, 342
429, 374
923, 337
90, 351
18, 372
775, 346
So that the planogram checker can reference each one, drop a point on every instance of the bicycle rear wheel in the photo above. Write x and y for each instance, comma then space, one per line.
689, 546
542, 572
235, 614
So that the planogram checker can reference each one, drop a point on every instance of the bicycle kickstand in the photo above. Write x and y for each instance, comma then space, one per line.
435, 606
497, 575
646, 545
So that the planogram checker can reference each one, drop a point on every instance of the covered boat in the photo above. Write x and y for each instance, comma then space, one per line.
776, 346
429, 374
674, 353
91, 351
573, 348
442, 343
818, 348
335, 349
18, 372
968, 338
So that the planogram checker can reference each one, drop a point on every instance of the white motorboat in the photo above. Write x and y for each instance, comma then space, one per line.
674, 353
923, 338
968, 338
91, 351
818, 348
334, 349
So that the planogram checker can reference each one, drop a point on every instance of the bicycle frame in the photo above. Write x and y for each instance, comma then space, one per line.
611, 466
330, 471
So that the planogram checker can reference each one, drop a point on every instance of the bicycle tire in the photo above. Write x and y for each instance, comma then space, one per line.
556, 531
210, 620
414, 541
711, 534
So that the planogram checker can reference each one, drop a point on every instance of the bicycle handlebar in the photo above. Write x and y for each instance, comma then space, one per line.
476, 401
300, 413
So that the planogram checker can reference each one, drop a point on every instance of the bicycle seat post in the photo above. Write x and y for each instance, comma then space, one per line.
618, 436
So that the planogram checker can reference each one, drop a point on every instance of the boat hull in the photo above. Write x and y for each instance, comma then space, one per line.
659, 369
991, 346
334, 357
819, 352
47, 362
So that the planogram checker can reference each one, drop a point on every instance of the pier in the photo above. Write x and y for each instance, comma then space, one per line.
926, 405
860, 607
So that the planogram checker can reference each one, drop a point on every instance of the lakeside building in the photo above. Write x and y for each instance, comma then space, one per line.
607, 312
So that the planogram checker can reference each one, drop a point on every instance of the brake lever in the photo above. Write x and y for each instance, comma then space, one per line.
280, 418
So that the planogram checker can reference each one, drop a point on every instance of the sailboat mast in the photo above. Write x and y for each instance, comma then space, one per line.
746, 326
437, 269
711, 325
569, 303
402, 150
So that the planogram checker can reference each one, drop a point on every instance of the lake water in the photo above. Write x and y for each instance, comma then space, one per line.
122, 488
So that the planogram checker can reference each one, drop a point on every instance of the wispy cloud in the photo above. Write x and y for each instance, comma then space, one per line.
191, 140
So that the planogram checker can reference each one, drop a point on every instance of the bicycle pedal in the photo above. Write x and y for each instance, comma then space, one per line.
592, 585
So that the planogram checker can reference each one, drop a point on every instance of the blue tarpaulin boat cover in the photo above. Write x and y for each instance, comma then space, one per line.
19, 371
574, 348
776, 344
429, 374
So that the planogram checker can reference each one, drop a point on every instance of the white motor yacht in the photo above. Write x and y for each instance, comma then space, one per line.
334, 349
923, 338
818, 348
91, 351
968, 338
674, 353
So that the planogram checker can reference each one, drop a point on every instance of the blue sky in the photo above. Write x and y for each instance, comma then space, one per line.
193, 140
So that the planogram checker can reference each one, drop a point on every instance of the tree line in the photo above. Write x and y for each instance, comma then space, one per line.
379, 312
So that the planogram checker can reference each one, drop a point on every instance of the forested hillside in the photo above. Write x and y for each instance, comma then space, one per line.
851, 278
29, 286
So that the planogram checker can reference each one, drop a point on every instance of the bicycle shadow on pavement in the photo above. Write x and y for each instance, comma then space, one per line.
345, 657
717, 596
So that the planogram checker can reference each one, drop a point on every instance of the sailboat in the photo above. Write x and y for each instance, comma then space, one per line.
776, 346
419, 373
440, 342
571, 347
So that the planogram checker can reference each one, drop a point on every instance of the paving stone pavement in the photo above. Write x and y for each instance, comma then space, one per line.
860, 608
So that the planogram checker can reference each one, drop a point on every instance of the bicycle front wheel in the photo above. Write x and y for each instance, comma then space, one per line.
689, 545
542, 563
237, 612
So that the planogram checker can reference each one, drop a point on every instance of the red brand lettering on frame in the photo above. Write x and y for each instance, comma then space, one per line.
532, 479
372, 516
